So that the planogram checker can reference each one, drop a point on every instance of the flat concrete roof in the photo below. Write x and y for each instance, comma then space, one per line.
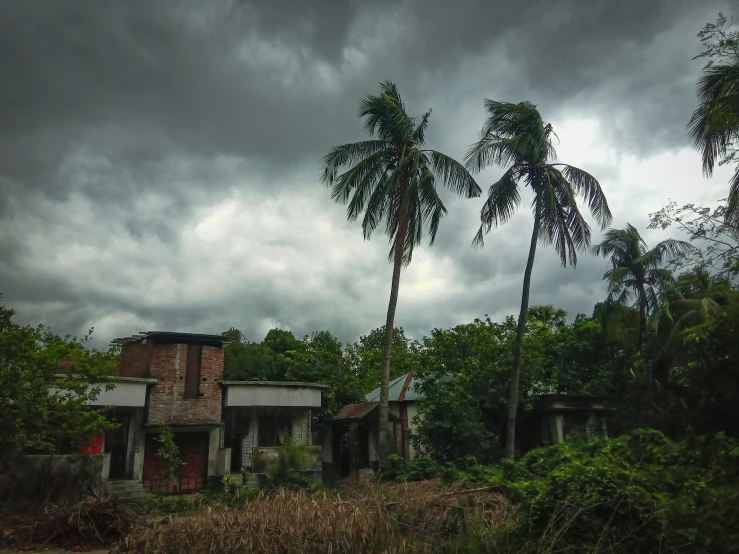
110, 378
273, 384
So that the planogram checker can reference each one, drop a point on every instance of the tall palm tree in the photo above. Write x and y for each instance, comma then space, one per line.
514, 135
392, 178
636, 276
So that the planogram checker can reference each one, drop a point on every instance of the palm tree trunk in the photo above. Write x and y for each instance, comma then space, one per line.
510, 443
640, 339
383, 440
642, 316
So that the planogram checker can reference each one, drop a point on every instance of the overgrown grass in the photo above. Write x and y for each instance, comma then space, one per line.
417, 517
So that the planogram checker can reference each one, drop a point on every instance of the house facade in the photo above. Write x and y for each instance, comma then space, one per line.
176, 380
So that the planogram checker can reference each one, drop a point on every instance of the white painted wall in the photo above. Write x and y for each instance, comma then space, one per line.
273, 396
412, 411
132, 395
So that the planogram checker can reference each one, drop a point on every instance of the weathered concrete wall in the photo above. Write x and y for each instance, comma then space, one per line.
411, 410
265, 459
56, 479
255, 394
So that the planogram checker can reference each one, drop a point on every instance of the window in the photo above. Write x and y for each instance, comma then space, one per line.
192, 373
273, 428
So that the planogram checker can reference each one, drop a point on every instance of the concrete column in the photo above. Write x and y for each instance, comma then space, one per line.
137, 473
133, 425
555, 428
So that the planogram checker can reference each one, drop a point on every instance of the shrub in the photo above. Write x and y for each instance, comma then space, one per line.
636, 493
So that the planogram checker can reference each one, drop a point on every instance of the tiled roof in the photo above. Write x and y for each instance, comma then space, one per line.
402, 389
355, 411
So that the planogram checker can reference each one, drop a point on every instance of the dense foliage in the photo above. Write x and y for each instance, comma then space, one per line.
46, 382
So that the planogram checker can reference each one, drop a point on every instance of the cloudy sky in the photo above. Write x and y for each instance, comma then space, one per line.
159, 160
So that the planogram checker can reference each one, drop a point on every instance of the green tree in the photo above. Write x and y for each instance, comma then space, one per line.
514, 135
258, 360
392, 178
714, 125
365, 357
321, 360
708, 227
637, 274
46, 383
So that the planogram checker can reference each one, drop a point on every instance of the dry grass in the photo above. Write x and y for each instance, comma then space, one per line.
92, 521
370, 518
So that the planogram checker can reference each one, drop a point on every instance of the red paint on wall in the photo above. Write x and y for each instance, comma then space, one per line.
95, 446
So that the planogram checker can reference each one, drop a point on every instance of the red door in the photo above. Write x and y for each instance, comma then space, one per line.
191, 477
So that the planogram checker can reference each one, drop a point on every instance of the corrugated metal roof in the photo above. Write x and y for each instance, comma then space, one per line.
401, 389
356, 411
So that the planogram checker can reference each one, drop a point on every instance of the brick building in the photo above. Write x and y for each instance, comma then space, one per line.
176, 379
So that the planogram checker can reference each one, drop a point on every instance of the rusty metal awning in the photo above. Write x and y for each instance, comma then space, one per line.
356, 412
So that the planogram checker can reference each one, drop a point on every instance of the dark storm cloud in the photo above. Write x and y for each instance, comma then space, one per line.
124, 123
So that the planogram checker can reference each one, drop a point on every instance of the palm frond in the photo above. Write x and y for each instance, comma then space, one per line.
385, 115
562, 224
453, 175
714, 124
348, 154
358, 180
503, 199
589, 188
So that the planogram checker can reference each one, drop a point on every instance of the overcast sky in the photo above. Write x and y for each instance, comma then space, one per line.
159, 160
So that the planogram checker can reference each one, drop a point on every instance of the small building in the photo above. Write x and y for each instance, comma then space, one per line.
220, 427
259, 415
403, 397
555, 418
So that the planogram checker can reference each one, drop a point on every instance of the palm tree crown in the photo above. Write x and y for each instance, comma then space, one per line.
515, 135
636, 275
714, 125
392, 178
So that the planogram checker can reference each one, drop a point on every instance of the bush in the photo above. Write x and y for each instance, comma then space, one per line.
466, 470
636, 493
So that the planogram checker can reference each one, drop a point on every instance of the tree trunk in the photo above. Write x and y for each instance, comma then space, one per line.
383, 440
510, 443
642, 316
640, 339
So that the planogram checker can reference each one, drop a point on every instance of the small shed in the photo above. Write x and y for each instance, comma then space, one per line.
557, 418
354, 435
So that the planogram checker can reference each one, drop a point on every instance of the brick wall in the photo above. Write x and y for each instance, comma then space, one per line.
135, 359
167, 403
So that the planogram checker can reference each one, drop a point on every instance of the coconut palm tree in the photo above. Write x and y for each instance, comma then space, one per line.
393, 178
636, 276
714, 125
695, 297
516, 137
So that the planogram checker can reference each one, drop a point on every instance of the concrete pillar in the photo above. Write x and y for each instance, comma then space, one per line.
137, 473
555, 429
